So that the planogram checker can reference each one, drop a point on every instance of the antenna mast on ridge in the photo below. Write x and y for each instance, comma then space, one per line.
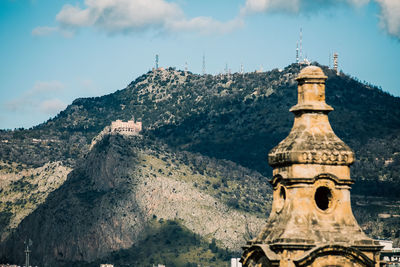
156, 61
27, 251
330, 65
335, 63
301, 43
204, 64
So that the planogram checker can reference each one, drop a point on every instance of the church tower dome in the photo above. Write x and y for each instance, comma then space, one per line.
311, 221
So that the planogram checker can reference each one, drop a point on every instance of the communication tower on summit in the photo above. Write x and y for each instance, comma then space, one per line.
156, 61
330, 56
186, 66
301, 43
335, 63
204, 64
301, 58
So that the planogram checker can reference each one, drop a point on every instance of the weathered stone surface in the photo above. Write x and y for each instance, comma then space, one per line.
311, 222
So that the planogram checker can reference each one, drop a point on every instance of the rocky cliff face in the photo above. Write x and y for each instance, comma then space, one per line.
110, 197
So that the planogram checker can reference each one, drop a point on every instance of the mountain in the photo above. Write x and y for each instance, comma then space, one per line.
239, 118
218, 129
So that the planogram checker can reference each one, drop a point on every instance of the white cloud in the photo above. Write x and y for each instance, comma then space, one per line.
87, 84
205, 25
18, 104
46, 87
119, 15
122, 16
45, 30
259, 6
389, 9
52, 106
74, 16
358, 3
390, 16
88, 87
294, 6
41, 97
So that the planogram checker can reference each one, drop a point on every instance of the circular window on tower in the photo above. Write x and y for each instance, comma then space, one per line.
280, 199
323, 198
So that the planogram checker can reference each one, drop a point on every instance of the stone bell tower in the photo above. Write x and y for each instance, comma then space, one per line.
311, 221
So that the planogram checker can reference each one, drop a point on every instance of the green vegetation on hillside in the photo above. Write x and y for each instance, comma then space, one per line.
172, 244
22, 191
238, 118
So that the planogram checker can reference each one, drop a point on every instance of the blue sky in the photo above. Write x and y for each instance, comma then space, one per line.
52, 52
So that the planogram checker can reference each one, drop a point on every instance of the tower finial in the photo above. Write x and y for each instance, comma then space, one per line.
311, 90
